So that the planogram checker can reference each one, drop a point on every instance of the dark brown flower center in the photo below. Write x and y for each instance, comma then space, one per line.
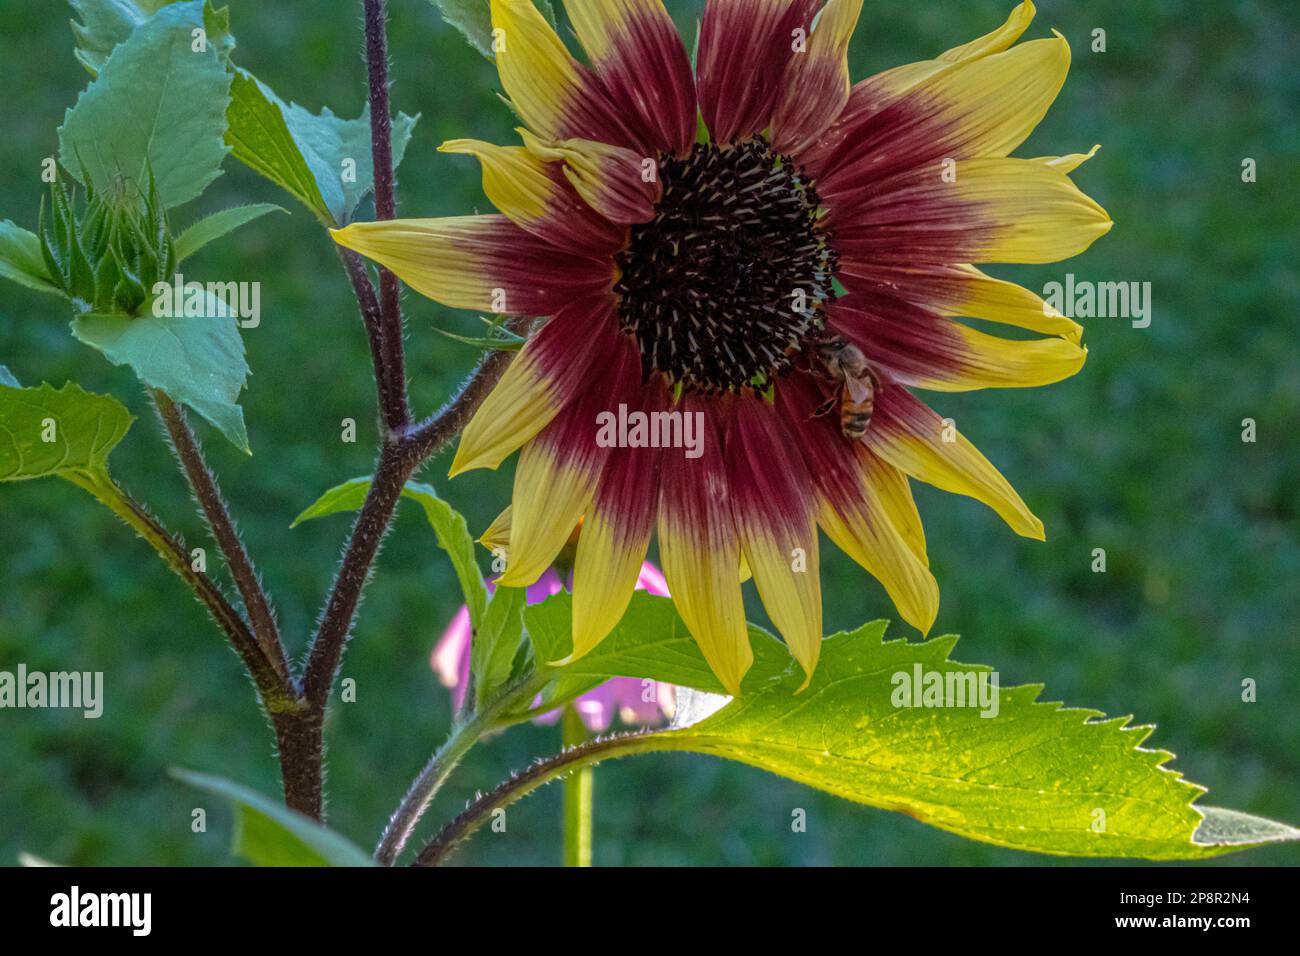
724, 285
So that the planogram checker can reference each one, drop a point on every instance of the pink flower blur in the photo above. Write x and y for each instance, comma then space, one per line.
632, 700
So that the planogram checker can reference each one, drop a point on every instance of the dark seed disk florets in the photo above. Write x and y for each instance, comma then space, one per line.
724, 285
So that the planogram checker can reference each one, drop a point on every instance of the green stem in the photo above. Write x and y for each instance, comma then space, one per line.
540, 773
440, 766
577, 795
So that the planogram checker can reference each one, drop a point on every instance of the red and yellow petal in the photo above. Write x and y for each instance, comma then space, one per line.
984, 104
638, 54
559, 469
997, 210
551, 91
619, 184
617, 529
911, 437
926, 350
816, 83
553, 368
961, 290
745, 47
479, 262
863, 505
700, 551
774, 516
533, 194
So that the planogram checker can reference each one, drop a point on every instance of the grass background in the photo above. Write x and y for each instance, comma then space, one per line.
1140, 454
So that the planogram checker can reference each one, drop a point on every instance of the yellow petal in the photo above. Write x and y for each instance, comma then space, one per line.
997, 41
702, 580
444, 259
986, 361
605, 573
914, 439
1070, 162
894, 494
546, 85
513, 178
521, 405
497, 536
792, 597
980, 296
1034, 213
550, 495
863, 531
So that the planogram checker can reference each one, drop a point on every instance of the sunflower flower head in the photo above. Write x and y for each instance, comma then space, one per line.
768, 260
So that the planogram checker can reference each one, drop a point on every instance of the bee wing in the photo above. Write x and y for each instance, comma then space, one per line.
858, 390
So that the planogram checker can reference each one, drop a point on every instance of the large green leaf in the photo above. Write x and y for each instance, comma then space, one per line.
84, 429
448, 527
195, 360
21, 260
156, 105
1035, 776
106, 23
267, 833
213, 227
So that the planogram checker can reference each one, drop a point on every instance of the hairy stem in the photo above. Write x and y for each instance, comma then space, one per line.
299, 744
397, 413
204, 485
368, 533
440, 766
525, 782
274, 691
391, 407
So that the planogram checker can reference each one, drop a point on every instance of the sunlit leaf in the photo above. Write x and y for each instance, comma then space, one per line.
1002, 768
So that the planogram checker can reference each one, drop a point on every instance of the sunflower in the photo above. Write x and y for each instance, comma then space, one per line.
763, 250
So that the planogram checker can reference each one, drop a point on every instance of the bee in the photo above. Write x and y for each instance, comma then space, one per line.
855, 393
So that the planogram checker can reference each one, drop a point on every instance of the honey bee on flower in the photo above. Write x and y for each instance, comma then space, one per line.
705, 241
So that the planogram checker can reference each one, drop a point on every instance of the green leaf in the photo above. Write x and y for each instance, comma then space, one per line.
448, 527
84, 429
651, 641
267, 833
260, 138
1033, 777
333, 145
106, 23
321, 159
473, 18
217, 225
195, 360
495, 644
21, 260
156, 105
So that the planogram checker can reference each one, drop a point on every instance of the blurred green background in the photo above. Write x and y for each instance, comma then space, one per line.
1140, 454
